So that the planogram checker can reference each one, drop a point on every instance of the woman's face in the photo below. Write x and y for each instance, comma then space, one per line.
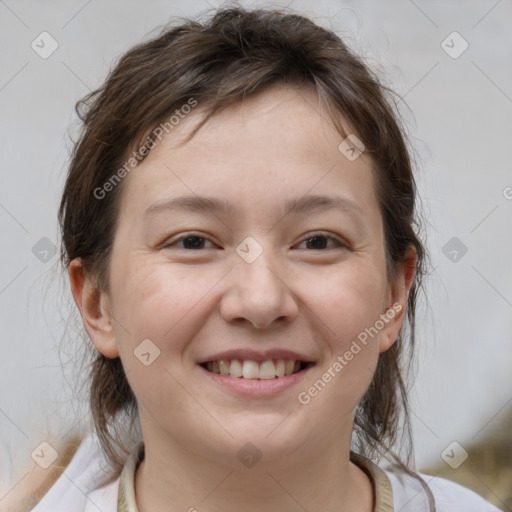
248, 276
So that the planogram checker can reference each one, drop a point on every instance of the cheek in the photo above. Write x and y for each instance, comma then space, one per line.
348, 300
157, 311
160, 302
348, 305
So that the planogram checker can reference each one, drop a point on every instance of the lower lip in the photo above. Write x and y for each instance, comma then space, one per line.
256, 387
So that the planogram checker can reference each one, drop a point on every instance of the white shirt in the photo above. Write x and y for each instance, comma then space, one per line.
84, 487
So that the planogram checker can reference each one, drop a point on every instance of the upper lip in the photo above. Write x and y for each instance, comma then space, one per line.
258, 356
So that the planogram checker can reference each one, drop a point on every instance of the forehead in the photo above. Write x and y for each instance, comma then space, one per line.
269, 148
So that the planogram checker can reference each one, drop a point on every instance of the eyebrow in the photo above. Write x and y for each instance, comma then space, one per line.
214, 205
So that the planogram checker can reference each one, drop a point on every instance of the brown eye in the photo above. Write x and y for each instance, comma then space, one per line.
319, 242
190, 242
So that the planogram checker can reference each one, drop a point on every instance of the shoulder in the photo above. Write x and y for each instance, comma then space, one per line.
84, 474
451, 496
412, 494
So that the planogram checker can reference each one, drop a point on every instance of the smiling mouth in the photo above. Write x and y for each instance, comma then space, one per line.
249, 369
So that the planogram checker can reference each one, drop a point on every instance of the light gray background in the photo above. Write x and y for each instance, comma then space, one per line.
462, 133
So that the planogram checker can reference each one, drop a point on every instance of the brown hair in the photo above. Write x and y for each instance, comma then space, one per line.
234, 53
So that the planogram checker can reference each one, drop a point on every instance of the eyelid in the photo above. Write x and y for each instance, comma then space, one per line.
327, 235
169, 242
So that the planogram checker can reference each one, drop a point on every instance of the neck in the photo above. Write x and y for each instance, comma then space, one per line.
172, 478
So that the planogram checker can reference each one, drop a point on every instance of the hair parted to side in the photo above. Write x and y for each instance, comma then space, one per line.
234, 53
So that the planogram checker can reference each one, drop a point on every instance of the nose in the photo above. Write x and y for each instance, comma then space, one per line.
259, 293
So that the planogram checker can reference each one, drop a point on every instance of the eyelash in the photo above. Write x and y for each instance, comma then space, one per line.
171, 242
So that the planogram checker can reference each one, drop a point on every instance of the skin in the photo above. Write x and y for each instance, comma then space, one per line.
191, 303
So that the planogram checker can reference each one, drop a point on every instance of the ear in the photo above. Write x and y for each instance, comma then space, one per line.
94, 308
396, 300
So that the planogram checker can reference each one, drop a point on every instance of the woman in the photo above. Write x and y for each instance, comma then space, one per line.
238, 226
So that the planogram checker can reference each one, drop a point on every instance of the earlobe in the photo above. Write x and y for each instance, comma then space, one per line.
398, 295
94, 309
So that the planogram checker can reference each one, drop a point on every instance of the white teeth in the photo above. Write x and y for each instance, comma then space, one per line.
267, 370
250, 369
235, 370
224, 367
280, 368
